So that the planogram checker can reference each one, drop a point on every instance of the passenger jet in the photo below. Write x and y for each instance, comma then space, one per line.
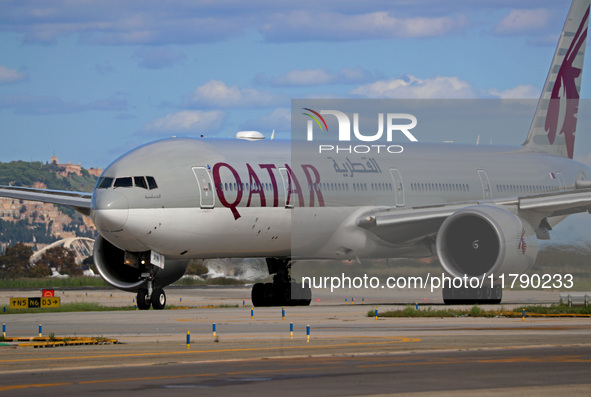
479, 209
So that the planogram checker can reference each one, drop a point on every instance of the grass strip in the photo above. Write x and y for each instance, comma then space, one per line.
77, 282
52, 283
477, 311
97, 307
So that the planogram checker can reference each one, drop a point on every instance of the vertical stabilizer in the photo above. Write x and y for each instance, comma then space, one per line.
555, 122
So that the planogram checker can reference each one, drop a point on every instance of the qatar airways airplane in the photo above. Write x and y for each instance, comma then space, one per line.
480, 210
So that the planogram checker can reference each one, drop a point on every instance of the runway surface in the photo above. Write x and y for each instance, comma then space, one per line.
348, 353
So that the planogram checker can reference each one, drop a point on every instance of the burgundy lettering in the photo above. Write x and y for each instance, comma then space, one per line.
218, 185
291, 182
314, 184
270, 168
255, 187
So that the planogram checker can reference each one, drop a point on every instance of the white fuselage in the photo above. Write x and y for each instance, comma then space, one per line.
226, 198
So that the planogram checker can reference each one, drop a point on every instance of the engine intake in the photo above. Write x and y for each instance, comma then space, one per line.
110, 262
483, 240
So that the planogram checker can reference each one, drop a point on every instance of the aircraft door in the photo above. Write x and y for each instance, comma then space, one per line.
206, 191
398, 187
486, 191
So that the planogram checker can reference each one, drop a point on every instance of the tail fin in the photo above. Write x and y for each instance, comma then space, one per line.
555, 122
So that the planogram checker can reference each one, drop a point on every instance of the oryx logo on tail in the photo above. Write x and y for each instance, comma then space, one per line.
565, 93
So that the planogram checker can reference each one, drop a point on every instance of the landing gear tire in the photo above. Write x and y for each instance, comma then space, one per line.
282, 291
257, 294
473, 296
497, 295
143, 299
269, 294
158, 299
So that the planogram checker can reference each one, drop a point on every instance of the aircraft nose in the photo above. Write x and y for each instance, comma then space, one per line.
110, 210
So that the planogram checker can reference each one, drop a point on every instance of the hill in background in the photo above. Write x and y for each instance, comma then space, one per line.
39, 224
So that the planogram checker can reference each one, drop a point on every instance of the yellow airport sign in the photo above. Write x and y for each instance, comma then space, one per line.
29, 303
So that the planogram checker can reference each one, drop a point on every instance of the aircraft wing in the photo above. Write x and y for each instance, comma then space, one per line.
403, 225
564, 203
80, 201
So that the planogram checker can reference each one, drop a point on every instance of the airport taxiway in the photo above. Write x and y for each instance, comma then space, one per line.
348, 353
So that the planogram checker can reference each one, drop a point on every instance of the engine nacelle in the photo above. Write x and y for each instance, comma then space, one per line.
483, 240
110, 261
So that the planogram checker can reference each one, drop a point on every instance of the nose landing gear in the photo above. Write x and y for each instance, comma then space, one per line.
149, 296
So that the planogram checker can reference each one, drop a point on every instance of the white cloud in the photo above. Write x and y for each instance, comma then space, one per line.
440, 87
216, 93
185, 122
520, 21
115, 22
11, 75
519, 92
304, 25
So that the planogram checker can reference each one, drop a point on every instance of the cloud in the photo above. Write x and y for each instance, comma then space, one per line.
185, 122
8, 76
312, 77
153, 22
278, 120
523, 21
112, 22
40, 104
304, 25
157, 58
440, 87
217, 94
519, 92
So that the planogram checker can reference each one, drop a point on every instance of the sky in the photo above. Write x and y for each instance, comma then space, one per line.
90, 80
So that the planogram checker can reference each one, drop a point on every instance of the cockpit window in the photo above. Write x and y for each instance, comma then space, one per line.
123, 182
147, 182
140, 182
151, 182
105, 183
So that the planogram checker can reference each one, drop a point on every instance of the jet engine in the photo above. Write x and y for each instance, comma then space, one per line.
126, 270
484, 240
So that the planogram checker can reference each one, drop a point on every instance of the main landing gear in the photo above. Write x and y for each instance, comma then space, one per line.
148, 296
283, 291
473, 296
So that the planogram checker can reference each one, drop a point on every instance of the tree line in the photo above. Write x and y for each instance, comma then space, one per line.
15, 262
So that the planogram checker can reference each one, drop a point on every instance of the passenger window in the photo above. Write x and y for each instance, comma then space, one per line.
123, 182
140, 182
151, 182
105, 183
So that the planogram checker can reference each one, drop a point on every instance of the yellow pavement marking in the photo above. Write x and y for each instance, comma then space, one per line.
572, 358
558, 359
268, 348
16, 387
